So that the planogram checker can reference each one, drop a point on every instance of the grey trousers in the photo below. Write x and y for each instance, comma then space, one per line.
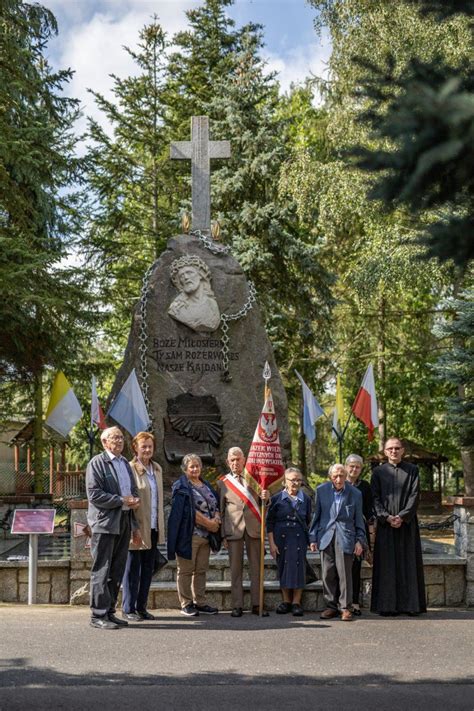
336, 568
236, 559
109, 556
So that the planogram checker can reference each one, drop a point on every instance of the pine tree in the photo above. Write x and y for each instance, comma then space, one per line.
218, 70
44, 301
136, 207
456, 368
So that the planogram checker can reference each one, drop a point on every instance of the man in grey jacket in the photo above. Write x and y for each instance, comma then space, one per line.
338, 532
112, 496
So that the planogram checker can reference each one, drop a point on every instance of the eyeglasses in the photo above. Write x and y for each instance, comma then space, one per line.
294, 481
115, 438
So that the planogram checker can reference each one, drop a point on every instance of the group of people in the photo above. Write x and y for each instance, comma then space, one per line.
126, 518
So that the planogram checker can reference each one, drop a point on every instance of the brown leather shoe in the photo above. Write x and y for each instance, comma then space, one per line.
347, 616
328, 614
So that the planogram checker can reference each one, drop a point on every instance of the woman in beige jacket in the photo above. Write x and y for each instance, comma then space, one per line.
151, 523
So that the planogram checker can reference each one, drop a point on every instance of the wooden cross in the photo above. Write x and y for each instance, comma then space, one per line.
199, 150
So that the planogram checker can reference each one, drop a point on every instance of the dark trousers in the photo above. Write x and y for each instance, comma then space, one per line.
356, 566
109, 555
336, 569
138, 575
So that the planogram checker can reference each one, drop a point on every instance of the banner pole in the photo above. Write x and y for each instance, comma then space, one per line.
262, 556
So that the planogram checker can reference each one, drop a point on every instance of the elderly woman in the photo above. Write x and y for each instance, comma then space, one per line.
288, 519
151, 522
194, 515
354, 465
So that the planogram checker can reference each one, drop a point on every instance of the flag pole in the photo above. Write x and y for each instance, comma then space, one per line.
267, 374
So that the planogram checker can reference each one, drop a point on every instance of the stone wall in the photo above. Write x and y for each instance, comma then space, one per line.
52, 587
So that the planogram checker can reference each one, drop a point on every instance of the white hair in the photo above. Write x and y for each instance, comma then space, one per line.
233, 451
105, 434
335, 466
354, 458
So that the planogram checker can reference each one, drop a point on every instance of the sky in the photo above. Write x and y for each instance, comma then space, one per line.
92, 34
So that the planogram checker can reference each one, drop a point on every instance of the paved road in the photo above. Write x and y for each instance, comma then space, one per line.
50, 658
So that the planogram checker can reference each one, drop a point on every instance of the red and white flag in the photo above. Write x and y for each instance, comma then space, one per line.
264, 465
244, 493
97, 416
365, 406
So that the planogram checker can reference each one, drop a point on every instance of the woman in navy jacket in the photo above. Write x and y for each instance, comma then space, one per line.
288, 520
194, 515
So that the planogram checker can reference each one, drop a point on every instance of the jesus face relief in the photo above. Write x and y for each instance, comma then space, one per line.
189, 279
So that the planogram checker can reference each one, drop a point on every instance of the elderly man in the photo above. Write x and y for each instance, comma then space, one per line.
338, 532
397, 582
112, 496
240, 516
354, 465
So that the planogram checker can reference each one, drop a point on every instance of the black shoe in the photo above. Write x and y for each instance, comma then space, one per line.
145, 615
206, 609
103, 623
189, 611
256, 611
297, 611
236, 612
283, 608
131, 616
356, 611
413, 614
389, 614
116, 620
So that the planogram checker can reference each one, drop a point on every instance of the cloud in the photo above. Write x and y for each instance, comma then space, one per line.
300, 62
92, 39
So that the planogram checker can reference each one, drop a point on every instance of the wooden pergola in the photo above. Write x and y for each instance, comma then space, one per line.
23, 439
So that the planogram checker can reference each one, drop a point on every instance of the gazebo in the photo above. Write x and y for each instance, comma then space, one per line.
23, 439
426, 460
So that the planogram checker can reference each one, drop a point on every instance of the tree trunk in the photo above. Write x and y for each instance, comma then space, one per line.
467, 458
38, 433
381, 375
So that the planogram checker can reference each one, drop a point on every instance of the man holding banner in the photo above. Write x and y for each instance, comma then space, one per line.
241, 524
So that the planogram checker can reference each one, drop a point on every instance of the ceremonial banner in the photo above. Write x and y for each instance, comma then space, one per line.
264, 465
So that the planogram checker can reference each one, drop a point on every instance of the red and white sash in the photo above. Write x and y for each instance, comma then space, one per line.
244, 493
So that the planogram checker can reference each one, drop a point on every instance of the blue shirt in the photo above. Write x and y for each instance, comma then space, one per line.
150, 472
337, 498
120, 468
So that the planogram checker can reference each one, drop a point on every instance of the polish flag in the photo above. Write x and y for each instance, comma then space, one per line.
97, 416
365, 405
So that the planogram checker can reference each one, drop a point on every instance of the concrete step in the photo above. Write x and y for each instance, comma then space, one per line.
219, 594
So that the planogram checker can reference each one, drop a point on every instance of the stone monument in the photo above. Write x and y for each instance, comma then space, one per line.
197, 340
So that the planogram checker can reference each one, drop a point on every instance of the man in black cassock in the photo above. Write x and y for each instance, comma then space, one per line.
398, 584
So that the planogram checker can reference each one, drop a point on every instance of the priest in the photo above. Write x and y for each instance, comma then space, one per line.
398, 585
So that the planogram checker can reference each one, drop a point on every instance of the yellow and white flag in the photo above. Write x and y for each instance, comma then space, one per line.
63, 410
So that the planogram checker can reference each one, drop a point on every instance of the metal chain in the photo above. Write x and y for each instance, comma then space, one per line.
225, 318
445, 524
209, 243
143, 337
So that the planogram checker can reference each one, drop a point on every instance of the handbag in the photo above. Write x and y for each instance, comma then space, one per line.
160, 561
214, 537
215, 541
